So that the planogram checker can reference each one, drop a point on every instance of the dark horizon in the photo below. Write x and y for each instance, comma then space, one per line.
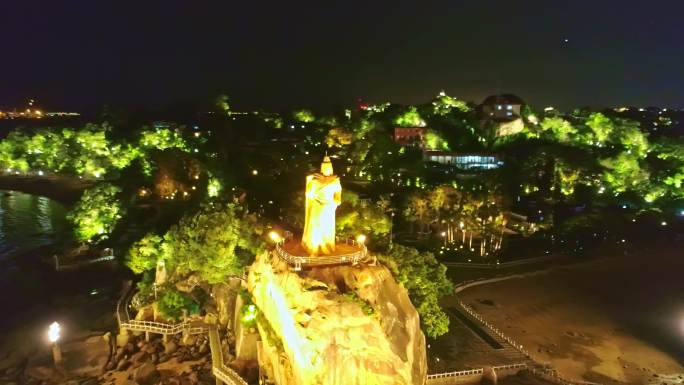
83, 55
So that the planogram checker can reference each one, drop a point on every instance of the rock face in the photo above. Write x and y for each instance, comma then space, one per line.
335, 325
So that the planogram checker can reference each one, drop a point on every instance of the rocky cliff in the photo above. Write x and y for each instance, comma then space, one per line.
335, 325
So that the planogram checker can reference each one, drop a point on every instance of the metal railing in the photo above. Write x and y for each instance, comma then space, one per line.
542, 370
106, 255
300, 261
493, 329
220, 370
126, 323
460, 373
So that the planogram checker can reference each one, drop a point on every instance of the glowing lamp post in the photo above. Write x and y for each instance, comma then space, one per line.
361, 239
275, 237
444, 236
53, 337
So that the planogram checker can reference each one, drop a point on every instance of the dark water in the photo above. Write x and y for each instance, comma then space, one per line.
32, 229
28, 221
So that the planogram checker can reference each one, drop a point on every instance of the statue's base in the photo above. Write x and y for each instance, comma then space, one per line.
346, 252
294, 247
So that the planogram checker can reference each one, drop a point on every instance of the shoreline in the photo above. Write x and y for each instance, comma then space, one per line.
65, 190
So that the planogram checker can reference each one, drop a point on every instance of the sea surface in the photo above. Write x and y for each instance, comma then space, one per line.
26, 222
32, 229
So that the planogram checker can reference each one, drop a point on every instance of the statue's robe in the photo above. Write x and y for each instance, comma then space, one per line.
323, 195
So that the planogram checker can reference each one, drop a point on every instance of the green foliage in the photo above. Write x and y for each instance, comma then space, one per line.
433, 141
601, 127
162, 139
173, 302
87, 152
365, 306
216, 242
304, 116
623, 172
356, 216
97, 212
145, 293
633, 140
409, 118
559, 128
443, 104
144, 254
222, 103
426, 282
214, 187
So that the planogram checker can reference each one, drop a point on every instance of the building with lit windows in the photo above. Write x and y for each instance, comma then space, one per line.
410, 136
502, 107
464, 161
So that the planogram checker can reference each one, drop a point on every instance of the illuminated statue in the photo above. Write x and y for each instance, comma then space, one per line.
323, 195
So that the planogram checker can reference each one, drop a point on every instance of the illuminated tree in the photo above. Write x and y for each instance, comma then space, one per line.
216, 242
409, 118
214, 187
443, 104
338, 137
601, 127
162, 139
144, 254
632, 138
433, 141
623, 172
426, 282
304, 116
355, 216
222, 103
97, 212
560, 129
173, 302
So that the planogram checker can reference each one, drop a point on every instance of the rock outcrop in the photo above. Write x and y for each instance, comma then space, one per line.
335, 325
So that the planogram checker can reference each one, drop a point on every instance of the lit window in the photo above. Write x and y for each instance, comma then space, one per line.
498, 106
509, 107
509, 113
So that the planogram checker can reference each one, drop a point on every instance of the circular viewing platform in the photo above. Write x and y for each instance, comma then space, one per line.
347, 251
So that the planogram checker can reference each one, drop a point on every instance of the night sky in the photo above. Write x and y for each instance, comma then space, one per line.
82, 54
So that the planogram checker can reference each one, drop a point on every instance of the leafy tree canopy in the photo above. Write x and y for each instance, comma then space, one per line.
97, 212
426, 282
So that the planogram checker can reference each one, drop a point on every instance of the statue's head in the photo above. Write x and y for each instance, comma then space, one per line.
326, 167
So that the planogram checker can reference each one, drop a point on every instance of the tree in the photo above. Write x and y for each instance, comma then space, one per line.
409, 118
443, 104
304, 116
216, 242
623, 172
97, 212
434, 141
356, 216
144, 254
173, 302
559, 128
601, 127
426, 282
338, 137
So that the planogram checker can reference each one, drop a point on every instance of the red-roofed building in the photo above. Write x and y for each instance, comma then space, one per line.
410, 136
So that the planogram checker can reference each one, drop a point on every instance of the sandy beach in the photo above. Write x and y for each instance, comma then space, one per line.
618, 318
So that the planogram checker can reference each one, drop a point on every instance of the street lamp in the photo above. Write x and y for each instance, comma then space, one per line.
53, 337
361, 239
444, 236
275, 237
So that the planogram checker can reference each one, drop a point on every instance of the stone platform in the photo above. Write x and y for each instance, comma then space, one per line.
346, 252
